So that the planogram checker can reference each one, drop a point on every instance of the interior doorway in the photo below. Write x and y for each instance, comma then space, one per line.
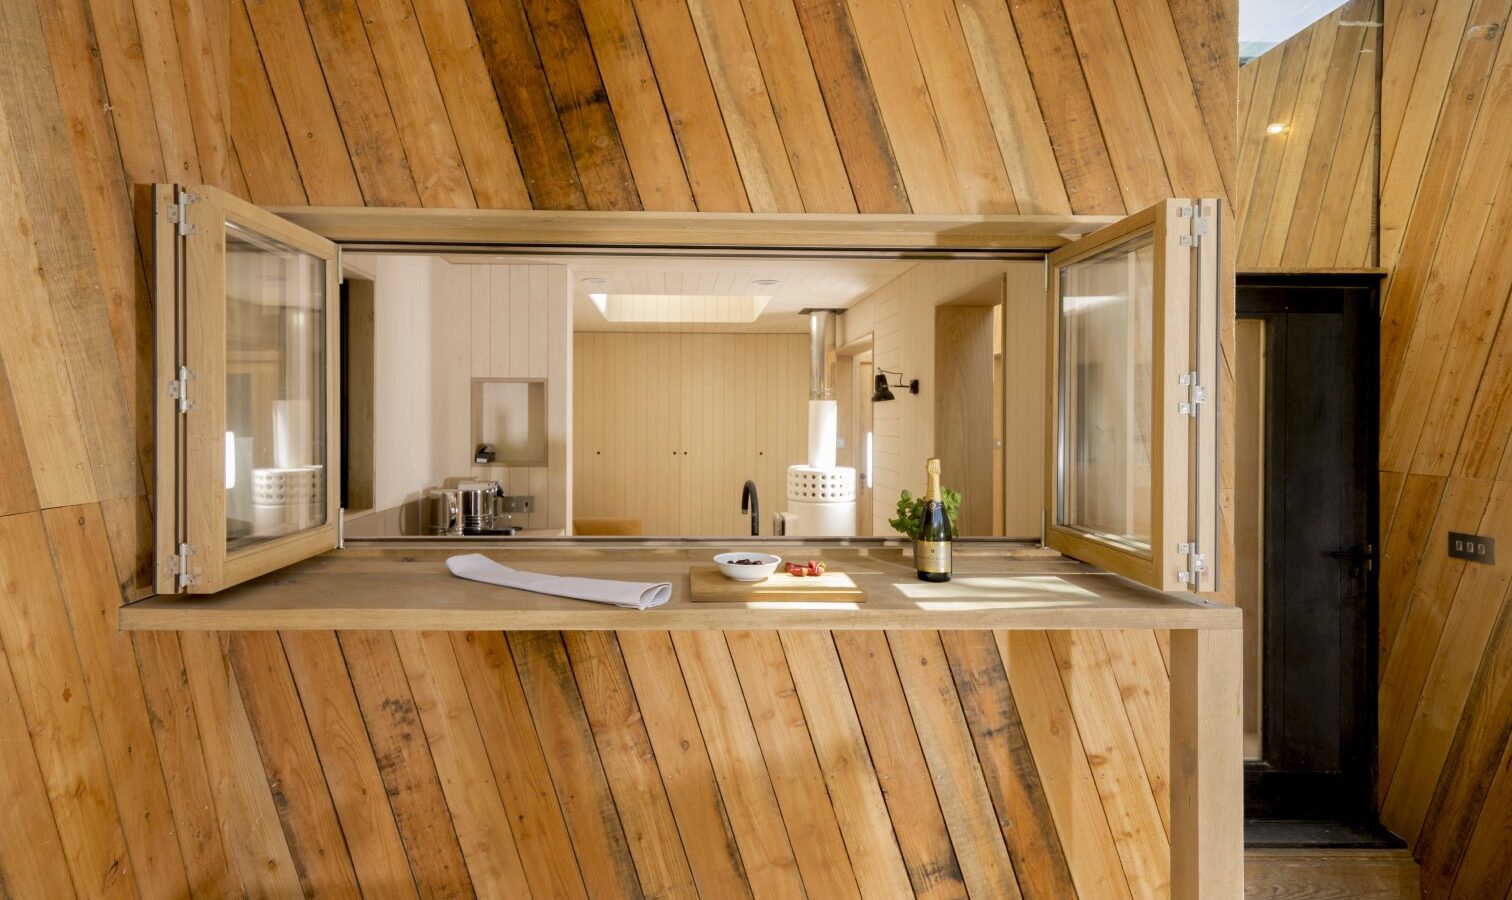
1305, 523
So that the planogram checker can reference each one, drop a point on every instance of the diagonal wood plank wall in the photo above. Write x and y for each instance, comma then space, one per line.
395, 764
1308, 193
1445, 214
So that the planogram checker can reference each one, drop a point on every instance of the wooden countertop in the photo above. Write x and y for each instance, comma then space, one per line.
408, 589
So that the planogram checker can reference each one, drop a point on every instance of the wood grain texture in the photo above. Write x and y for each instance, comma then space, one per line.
457, 765
1435, 117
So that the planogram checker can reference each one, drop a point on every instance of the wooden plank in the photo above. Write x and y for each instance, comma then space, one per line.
309, 116
788, 749
108, 668
1123, 111
642, 799
472, 796
115, 32
1061, 759
1402, 549
562, 724
1419, 625
1357, 874
373, 142
17, 491
904, 101
840, 745
709, 584
1140, 671
1207, 783
48, 677
749, 117
1484, 872
1431, 674
750, 802
525, 97
1271, 149
1002, 749
640, 115
1479, 746
567, 57
946, 739
893, 743
257, 130
1019, 128
687, 90
519, 764
672, 727
852, 105
205, 58
793, 88
414, 97
409, 775
472, 106
157, 47
32, 860
347, 762
104, 189
1206, 31
180, 747
300, 793
244, 807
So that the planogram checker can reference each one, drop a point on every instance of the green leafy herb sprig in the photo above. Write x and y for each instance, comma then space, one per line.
911, 513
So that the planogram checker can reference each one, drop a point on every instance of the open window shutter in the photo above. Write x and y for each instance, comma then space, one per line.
1131, 455
247, 420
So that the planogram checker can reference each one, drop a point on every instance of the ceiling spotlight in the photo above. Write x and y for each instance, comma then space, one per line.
595, 280
1275, 128
765, 282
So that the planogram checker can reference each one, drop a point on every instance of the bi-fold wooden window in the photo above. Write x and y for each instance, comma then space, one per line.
247, 475
246, 419
1131, 442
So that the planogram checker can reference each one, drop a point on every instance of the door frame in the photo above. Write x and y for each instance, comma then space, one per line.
1350, 794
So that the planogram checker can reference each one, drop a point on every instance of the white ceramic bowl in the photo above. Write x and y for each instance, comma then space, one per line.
736, 572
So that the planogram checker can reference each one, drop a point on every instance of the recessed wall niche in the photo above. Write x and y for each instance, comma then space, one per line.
510, 415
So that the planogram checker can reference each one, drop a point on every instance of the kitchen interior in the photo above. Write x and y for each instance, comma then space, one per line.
687, 396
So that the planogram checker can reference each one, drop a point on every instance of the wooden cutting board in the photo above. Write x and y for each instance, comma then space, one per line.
710, 584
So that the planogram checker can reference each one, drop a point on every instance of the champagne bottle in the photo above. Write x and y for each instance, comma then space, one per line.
932, 549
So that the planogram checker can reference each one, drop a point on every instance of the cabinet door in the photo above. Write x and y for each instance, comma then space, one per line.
247, 434
1131, 473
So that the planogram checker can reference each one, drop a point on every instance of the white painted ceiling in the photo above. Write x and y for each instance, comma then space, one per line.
791, 285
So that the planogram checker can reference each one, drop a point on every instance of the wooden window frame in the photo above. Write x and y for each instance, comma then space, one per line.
190, 295
1183, 457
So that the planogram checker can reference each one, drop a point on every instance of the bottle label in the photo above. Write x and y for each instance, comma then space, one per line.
932, 556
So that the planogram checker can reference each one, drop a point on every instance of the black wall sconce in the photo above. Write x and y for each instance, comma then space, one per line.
883, 390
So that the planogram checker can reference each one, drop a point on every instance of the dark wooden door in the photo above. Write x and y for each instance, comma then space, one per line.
1319, 582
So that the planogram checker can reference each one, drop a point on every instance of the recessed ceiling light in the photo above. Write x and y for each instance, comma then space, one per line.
765, 282
1275, 128
595, 280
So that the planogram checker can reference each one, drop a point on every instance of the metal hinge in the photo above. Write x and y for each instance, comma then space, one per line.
178, 565
1196, 394
178, 213
1196, 564
178, 389
1199, 226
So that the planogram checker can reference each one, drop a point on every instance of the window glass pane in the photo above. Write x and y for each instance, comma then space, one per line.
1106, 359
275, 389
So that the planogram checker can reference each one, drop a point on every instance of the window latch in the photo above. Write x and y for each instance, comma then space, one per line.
178, 389
1196, 394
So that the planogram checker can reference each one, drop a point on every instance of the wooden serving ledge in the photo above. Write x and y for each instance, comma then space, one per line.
403, 589
997, 587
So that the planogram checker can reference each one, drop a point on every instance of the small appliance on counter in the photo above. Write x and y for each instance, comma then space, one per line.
474, 508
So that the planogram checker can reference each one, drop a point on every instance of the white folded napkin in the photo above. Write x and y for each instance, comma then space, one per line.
631, 594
